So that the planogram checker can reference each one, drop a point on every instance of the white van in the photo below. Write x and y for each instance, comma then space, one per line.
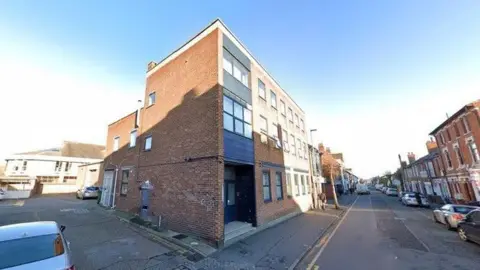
362, 189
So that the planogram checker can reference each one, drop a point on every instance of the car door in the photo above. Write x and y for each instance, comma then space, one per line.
473, 227
444, 212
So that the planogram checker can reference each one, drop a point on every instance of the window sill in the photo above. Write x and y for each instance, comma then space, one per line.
275, 108
123, 195
149, 106
264, 98
280, 199
267, 201
147, 150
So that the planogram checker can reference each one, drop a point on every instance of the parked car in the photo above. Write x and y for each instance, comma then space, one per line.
402, 193
2, 194
88, 193
384, 189
409, 199
391, 192
469, 228
452, 214
34, 245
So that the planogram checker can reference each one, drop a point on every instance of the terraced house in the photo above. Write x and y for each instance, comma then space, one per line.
458, 139
224, 146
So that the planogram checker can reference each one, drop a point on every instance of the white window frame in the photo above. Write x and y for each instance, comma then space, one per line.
458, 154
116, 143
283, 108
133, 141
286, 147
290, 114
294, 145
262, 92
263, 127
148, 142
238, 71
273, 99
475, 155
151, 101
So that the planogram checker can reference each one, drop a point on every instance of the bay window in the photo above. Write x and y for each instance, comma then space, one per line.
235, 68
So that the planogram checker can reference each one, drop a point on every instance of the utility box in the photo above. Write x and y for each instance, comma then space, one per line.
145, 192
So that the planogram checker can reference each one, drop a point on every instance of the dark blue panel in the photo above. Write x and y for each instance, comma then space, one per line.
237, 148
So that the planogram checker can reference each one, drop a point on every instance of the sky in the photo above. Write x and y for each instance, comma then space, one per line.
373, 77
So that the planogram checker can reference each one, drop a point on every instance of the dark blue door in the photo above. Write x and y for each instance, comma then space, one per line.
230, 204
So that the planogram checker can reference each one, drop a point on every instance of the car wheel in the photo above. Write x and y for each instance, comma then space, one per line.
462, 234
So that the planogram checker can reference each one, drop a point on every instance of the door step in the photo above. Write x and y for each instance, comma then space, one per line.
236, 229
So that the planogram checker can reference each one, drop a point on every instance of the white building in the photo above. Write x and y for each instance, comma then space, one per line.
51, 170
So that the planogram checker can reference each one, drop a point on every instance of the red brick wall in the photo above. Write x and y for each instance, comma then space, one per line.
183, 164
268, 211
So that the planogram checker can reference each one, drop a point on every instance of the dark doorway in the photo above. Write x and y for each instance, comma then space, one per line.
238, 194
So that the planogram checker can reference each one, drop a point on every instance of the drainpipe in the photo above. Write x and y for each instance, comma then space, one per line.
114, 186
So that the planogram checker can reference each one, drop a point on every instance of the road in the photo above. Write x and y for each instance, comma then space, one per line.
98, 240
378, 232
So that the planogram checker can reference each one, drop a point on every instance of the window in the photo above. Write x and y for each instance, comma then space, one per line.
274, 131
290, 115
24, 166
124, 184
448, 135
299, 145
285, 140
148, 143
447, 158
69, 179
466, 128
261, 89
36, 248
473, 150
58, 166
297, 187
235, 68
151, 98
267, 196
68, 166
443, 138
303, 184
282, 107
457, 131
236, 117
263, 124
293, 149
133, 138
459, 155
116, 142
296, 120
279, 187
273, 99
302, 125
289, 185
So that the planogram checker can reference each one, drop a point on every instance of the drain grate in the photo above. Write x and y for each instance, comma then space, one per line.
180, 236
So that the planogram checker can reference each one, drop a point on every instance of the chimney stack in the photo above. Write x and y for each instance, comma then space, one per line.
431, 146
411, 157
151, 65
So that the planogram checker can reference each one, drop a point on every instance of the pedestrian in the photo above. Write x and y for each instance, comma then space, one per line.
419, 199
322, 198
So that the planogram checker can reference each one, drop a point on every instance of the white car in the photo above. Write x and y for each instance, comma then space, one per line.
34, 245
391, 192
362, 189
409, 199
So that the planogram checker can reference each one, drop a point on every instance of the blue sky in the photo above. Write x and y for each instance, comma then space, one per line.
374, 77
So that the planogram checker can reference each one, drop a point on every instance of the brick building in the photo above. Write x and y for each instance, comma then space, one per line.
458, 138
224, 146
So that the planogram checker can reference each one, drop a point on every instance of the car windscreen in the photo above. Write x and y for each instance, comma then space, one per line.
92, 188
30, 249
462, 209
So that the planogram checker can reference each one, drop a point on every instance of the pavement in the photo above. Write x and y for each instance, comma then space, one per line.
378, 231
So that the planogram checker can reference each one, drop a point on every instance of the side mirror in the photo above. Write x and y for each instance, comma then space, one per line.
62, 228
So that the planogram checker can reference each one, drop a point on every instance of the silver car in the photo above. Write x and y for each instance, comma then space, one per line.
452, 214
88, 193
409, 199
34, 245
